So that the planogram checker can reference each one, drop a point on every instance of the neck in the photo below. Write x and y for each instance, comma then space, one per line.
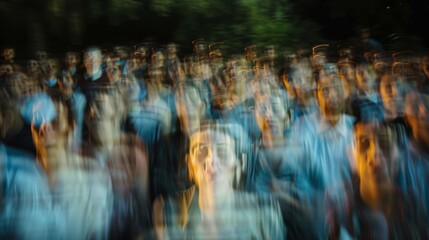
211, 200
272, 139
376, 196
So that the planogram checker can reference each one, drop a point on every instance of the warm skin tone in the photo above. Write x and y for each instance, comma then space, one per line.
331, 94
376, 155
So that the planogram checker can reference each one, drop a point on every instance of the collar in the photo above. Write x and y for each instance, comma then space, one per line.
323, 126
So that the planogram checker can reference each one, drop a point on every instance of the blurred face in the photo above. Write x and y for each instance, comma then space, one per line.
171, 48
212, 160
100, 118
376, 154
417, 115
158, 58
388, 92
303, 81
51, 68
331, 94
9, 54
53, 133
71, 60
270, 114
366, 79
6, 69
41, 55
132, 64
33, 66
92, 60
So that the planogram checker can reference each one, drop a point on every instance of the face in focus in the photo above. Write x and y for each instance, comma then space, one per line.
331, 94
212, 159
376, 154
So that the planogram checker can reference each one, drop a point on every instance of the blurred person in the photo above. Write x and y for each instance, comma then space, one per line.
250, 53
366, 101
320, 156
25, 209
71, 64
34, 69
214, 209
169, 166
124, 156
80, 188
415, 168
6, 69
67, 85
373, 207
173, 64
93, 75
50, 74
200, 49
367, 38
300, 84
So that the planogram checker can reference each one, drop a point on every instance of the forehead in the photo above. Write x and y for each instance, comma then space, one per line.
211, 137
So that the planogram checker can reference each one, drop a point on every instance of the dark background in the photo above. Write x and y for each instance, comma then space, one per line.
59, 25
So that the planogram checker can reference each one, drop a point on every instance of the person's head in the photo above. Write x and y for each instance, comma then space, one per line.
71, 59
417, 115
171, 49
6, 69
271, 114
389, 92
332, 92
41, 55
121, 51
190, 106
212, 159
8, 54
33, 67
300, 81
366, 78
92, 60
157, 58
376, 154
270, 51
103, 114
50, 68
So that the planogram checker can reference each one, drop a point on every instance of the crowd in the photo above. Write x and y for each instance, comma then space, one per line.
325, 142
